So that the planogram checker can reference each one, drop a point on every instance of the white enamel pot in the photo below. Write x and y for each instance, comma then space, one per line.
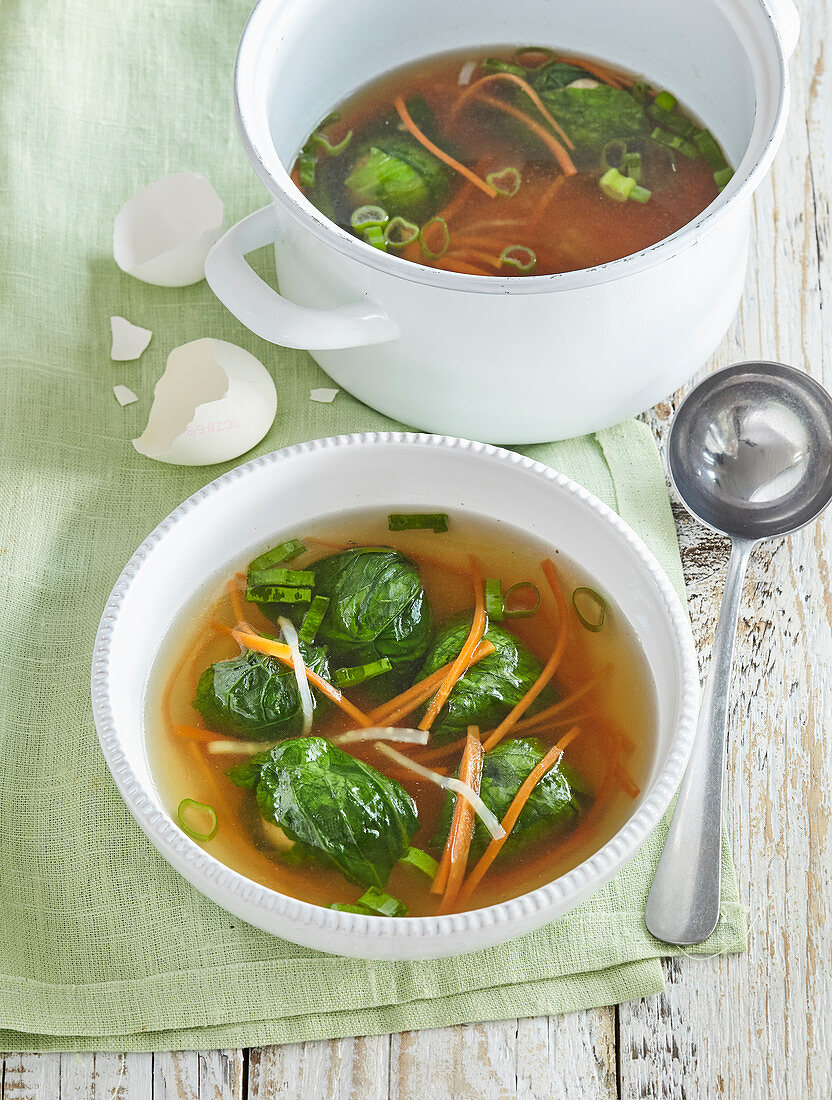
505, 360
279, 495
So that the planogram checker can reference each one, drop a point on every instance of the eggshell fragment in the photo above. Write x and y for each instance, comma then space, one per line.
164, 232
214, 402
129, 341
124, 395
323, 395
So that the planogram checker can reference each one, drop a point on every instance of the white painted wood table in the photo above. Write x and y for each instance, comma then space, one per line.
751, 1026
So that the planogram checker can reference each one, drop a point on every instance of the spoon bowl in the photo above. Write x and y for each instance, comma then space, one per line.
750, 450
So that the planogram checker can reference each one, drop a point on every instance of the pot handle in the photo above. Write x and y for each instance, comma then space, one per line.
275, 318
787, 21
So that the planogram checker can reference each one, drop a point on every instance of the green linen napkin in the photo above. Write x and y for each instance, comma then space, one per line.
103, 945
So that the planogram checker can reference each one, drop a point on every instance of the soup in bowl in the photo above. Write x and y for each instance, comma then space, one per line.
395, 726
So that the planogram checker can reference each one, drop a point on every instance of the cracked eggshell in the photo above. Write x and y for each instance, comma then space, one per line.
129, 340
214, 402
164, 232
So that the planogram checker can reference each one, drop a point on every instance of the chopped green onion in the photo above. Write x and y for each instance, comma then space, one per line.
342, 907
333, 116
521, 612
416, 521
505, 182
632, 166
306, 167
520, 257
192, 808
497, 65
494, 598
615, 186
286, 551
374, 235
614, 154
723, 177
421, 861
592, 600
666, 100
676, 142
640, 194
433, 253
294, 578
328, 147
640, 92
671, 120
359, 674
313, 619
706, 144
400, 232
382, 904
363, 217
274, 593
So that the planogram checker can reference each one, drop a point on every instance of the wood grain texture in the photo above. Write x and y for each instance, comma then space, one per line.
736, 1027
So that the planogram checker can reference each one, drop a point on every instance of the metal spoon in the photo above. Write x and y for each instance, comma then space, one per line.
750, 454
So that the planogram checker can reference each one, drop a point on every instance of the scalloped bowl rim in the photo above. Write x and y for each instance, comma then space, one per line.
407, 937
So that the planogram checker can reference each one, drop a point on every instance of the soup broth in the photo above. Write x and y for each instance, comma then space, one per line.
601, 689
510, 162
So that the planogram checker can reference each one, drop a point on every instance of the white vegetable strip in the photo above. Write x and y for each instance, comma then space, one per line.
488, 819
466, 72
238, 748
384, 733
299, 669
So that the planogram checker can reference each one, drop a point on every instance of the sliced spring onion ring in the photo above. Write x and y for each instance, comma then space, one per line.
363, 217
373, 903
399, 232
505, 182
615, 186
299, 668
405, 734
640, 194
238, 748
520, 257
286, 551
359, 674
307, 162
293, 578
450, 784
521, 612
427, 249
191, 808
723, 176
494, 598
597, 602
421, 861
614, 154
418, 521
675, 142
706, 144
666, 100
632, 166
327, 146
276, 593
313, 619
640, 92
466, 72
374, 235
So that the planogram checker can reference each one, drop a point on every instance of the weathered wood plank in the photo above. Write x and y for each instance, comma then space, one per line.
31, 1077
342, 1069
458, 1063
221, 1074
176, 1075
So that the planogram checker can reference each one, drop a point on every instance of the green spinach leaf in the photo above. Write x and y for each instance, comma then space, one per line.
555, 802
490, 688
255, 696
592, 117
351, 816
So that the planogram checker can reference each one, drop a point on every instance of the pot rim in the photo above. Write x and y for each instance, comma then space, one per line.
747, 177
409, 937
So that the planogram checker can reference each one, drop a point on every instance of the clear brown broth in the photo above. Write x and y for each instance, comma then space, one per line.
621, 705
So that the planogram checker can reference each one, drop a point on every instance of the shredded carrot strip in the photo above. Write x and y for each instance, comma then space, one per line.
632, 789
556, 709
513, 812
455, 856
474, 254
194, 733
480, 242
404, 115
283, 654
402, 705
221, 628
459, 266
600, 72
543, 205
552, 143
527, 88
236, 601
549, 668
463, 661
439, 753
464, 193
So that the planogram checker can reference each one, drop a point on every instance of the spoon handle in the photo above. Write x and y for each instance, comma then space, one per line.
683, 904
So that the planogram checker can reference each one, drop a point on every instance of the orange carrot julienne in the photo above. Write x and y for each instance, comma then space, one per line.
463, 661
404, 115
402, 705
549, 668
513, 812
556, 709
439, 753
236, 601
553, 145
471, 742
474, 254
461, 267
527, 88
194, 733
462, 828
283, 654
543, 205
600, 72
